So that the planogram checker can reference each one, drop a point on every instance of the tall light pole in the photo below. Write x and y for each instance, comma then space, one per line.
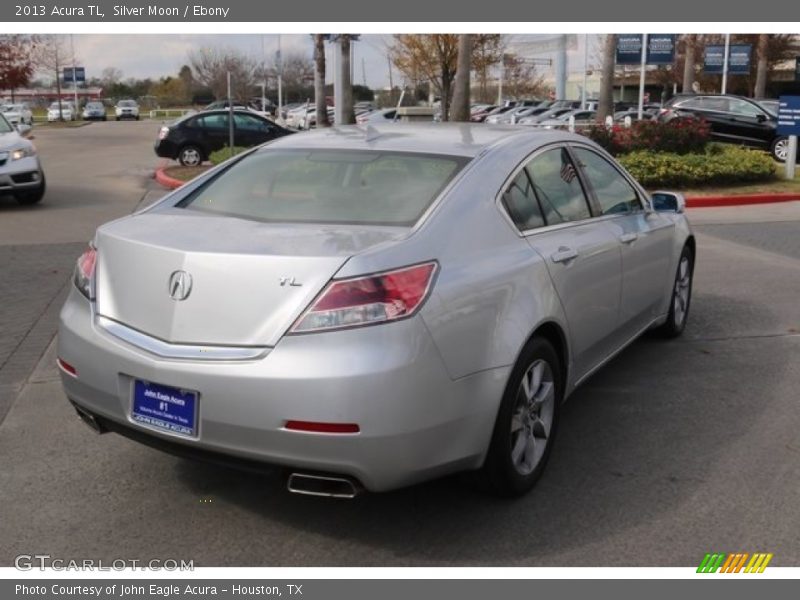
641, 76
725, 63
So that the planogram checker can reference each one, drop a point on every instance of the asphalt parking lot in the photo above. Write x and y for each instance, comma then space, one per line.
673, 450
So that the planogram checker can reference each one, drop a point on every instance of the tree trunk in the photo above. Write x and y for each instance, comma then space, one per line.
761, 70
606, 100
348, 117
319, 81
460, 106
688, 65
58, 86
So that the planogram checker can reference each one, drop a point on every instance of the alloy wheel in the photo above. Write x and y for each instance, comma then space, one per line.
532, 420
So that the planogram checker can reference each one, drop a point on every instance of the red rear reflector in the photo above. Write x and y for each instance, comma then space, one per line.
322, 427
66, 367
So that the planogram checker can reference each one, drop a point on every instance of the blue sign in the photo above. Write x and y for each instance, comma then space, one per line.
714, 59
789, 115
165, 407
629, 49
76, 75
660, 49
739, 59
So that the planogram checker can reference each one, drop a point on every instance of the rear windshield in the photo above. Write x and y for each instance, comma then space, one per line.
322, 186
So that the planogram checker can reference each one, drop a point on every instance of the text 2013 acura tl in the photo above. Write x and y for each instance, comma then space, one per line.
374, 307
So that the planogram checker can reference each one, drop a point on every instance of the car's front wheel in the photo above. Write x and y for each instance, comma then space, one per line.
526, 423
190, 156
681, 296
32, 196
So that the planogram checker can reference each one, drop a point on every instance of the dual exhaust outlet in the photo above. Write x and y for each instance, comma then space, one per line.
307, 484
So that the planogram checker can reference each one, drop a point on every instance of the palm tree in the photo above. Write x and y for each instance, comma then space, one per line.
460, 107
605, 105
319, 81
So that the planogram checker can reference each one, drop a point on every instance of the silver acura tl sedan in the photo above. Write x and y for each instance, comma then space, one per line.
373, 307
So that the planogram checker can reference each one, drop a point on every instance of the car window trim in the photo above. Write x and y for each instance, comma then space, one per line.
636, 190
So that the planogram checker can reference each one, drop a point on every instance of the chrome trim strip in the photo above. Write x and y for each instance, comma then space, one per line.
180, 351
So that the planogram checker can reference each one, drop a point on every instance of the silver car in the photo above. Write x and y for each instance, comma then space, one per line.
21, 173
373, 307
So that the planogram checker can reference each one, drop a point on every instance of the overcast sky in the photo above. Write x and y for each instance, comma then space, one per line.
157, 56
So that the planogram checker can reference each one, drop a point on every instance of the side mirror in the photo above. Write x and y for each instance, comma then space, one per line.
23, 129
668, 202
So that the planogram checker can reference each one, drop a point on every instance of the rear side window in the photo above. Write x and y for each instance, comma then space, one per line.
322, 186
557, 187
614, 193
521, 203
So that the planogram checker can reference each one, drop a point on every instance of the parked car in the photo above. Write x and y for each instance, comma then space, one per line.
620, 116
733, 119
309, 120
21, 172
126, 109
19, 113
93, 111
771, 106
63, 110
582, 118
296, 114
192, 139
220, 104
352, 308
377, 117
513, 116
551, 113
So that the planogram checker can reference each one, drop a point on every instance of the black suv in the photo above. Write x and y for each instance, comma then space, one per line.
192, 139
733, 119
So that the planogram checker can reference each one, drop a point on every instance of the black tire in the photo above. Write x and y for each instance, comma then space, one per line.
33, 196
501, 473
105, 118
676, 319
117, 118
190, 155
137, 117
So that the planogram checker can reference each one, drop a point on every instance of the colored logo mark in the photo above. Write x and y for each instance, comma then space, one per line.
735, 562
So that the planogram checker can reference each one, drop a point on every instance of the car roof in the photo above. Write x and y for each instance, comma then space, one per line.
456, 139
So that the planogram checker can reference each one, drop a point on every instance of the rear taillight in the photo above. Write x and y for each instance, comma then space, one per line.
84, 272
163, 133
368, 300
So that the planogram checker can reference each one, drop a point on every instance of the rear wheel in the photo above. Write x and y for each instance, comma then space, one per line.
780, 149
32, 196
681, 296
526, 423
190, 156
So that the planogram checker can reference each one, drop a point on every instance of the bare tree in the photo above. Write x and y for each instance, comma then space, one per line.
487, 51
690, 43
212, 65
297, 73
51, 55
348, 115
460, 109
605, 105
319, 81
110, 76
760, 89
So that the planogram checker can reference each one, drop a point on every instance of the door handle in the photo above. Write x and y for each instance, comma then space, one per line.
563, 254
628, 238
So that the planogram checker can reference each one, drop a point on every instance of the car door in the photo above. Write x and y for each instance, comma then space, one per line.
253, 130
645, 239
581, 254
214, 132
749, 124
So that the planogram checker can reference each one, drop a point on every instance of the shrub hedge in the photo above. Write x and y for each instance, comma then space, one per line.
719, 164
679, 136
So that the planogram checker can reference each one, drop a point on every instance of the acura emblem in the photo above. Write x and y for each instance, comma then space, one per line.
180, 285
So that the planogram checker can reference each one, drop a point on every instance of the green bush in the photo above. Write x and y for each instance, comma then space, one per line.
224, 154
680, 136
718, 165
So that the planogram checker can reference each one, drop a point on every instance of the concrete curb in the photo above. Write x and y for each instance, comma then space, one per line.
168, 182
740, 200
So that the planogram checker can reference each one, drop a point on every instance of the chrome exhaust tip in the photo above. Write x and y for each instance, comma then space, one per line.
90, 420
330, 486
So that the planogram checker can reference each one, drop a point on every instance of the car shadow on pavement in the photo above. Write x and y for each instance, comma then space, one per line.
636, 444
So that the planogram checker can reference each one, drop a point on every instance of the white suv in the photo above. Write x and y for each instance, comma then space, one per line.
127, 109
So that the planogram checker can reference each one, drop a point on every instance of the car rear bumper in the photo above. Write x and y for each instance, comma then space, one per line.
415, 422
